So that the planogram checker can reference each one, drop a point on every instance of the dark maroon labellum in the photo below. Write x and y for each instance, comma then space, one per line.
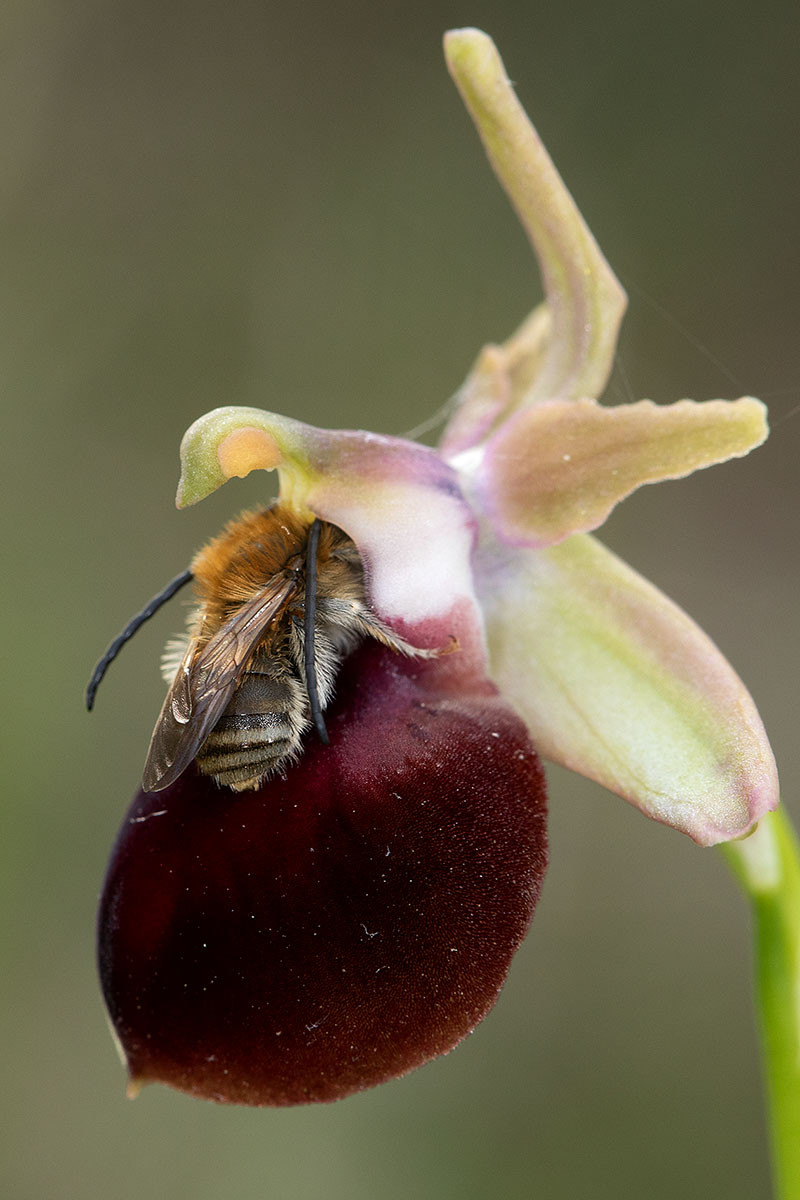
341, 925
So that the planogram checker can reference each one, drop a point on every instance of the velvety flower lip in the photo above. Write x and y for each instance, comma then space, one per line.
339, 926
355, 915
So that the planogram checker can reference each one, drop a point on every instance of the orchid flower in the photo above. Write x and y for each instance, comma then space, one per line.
355, 915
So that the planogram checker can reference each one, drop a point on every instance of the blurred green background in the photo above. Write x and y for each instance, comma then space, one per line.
285, 206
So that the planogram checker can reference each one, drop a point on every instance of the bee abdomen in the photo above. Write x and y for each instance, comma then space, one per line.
242, 750
233, 727
257, 733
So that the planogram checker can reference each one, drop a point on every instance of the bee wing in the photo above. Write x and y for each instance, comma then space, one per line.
205, 682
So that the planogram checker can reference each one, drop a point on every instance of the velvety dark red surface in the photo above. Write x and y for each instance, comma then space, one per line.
337, 927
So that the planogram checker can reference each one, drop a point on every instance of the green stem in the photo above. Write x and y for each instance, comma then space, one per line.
768, 868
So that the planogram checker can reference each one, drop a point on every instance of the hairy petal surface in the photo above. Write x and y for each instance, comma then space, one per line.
339, 926
617, 683
560, 467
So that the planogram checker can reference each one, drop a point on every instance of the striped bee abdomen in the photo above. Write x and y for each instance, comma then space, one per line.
259, 729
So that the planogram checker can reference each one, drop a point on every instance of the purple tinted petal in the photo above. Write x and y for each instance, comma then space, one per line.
560, 467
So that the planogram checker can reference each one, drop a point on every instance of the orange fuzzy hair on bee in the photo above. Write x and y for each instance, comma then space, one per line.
253, 548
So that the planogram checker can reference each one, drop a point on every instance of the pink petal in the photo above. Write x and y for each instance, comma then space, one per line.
560, 467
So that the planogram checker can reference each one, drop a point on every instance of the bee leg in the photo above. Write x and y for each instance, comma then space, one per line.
372, 626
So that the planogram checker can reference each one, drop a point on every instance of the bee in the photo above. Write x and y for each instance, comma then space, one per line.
281, 603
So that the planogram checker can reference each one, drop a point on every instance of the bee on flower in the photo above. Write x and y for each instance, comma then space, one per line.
340, 838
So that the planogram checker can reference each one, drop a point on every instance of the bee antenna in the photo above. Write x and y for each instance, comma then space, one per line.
130, 629
309, 632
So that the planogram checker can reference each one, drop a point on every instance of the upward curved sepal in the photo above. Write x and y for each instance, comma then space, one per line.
585, 302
